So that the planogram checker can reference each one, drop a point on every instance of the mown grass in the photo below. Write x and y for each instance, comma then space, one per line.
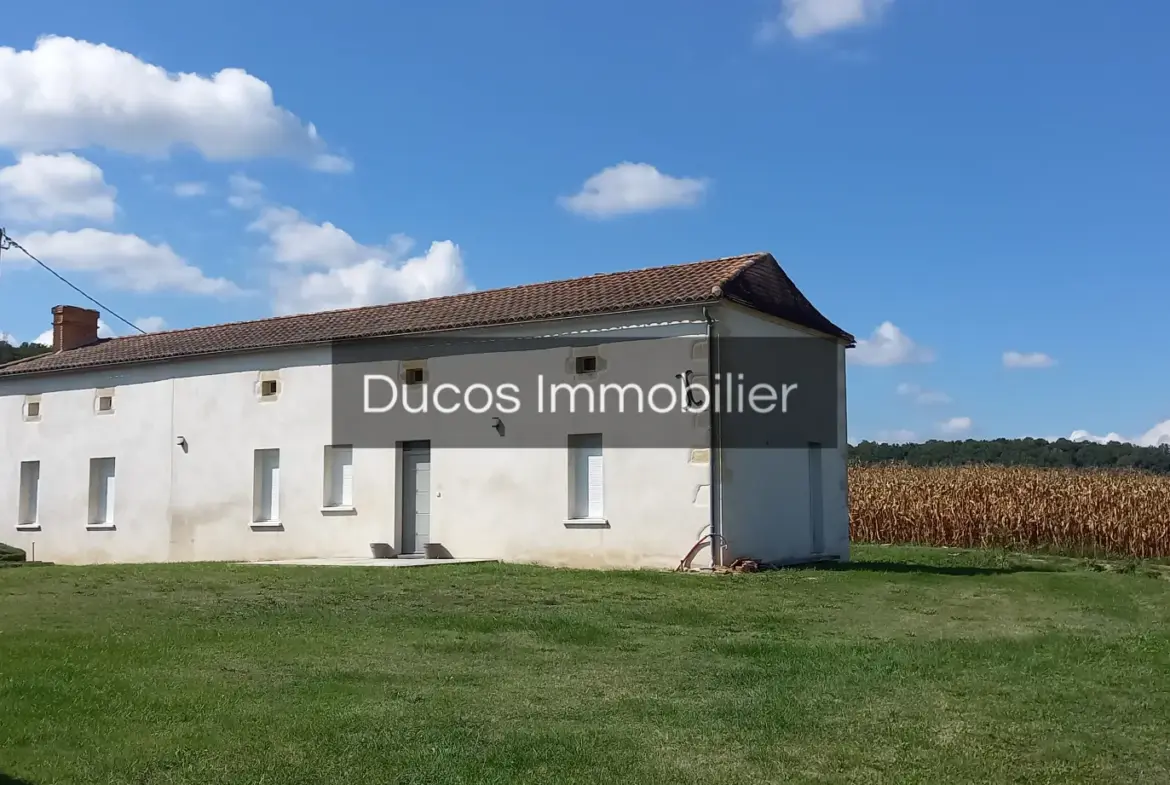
911, 666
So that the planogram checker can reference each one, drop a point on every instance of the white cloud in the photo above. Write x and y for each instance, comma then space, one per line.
41, 188
151, 324
1159, 434
190, 189
633, 188
9, 338
812, 18
244, 192
889, 346
922, 396
437, 272
294, 240
123, 261
322, 267
1027, 360
66, 94
332, 164
956, 426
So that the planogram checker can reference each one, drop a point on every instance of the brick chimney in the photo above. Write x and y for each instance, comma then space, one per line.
73, 327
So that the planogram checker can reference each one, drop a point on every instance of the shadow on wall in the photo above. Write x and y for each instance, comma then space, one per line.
923, 569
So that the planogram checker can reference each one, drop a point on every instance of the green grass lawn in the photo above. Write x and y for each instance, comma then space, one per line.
914, 666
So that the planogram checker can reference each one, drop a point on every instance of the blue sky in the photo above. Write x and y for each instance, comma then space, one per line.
950, 181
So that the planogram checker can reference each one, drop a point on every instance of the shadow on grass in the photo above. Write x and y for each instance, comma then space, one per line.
6, 780
924, 569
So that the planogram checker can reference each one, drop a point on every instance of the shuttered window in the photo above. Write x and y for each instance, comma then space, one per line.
586, 477
101, 491
339, 476
266, 491
30, 481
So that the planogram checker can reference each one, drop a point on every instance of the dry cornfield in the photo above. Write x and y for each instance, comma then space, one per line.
1069, 510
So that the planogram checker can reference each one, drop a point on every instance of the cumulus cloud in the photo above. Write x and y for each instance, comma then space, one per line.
43, 188
123, 261
1027, 360
1158, 435
244, 193
320, 266
68, 94
955, 426
151, 324
889, 346
190, 189
437, 272
925, 397
633, 188
811, 18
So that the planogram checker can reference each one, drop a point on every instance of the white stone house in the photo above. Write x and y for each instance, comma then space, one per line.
222, 442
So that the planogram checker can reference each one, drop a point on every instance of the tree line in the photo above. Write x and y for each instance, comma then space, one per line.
10, 352
1018, 452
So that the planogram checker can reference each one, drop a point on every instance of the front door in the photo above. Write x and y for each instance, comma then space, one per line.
416, 496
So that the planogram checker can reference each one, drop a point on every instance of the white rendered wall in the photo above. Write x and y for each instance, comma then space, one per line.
196, 503
766, 499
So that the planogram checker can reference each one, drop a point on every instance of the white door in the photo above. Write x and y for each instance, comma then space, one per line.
816, 500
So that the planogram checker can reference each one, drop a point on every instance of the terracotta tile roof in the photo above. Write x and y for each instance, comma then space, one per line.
755, 280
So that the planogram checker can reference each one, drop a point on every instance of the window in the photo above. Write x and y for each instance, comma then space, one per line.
32, 407
103, 402
268, 388
586, 364
586, 477
101, 491
266, 487
339, 476
414, 375
30, 481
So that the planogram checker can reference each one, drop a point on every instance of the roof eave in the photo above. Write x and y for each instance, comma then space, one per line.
307, 344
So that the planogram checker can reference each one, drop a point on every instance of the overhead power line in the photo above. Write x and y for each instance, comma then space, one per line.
6, 242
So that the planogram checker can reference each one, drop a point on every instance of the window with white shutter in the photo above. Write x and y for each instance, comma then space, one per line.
586, 477
101, 491
339, 476
266, 487
30, 481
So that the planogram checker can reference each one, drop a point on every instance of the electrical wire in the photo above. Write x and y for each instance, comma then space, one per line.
6, 242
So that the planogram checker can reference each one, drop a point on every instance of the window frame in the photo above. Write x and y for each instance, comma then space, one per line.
585, 451
30, 401
260, 483
333, 498
103, 395
99, 490
25, 520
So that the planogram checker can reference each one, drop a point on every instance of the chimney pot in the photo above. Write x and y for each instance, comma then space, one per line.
73, 327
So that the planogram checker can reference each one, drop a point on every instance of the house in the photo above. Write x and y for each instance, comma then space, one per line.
274, 439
